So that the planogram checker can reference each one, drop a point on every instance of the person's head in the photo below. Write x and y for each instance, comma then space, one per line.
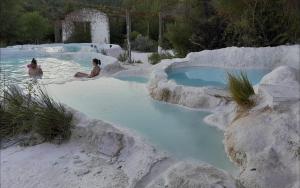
96, 62
33, 63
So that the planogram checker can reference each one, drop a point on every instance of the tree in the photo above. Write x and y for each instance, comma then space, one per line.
179, 34
197, 28
260, 22
34, 27
9, 14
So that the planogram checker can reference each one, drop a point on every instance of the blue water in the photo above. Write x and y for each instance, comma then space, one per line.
178, 130
209, 76
123, 101
59, 61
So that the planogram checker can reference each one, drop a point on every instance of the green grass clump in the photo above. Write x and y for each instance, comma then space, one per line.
6, 128
22, 113
52, 121
155, 58
17, 111
241, 89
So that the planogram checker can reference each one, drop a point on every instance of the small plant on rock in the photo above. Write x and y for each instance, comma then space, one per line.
155, 58
241, 90
165, 94
123, 57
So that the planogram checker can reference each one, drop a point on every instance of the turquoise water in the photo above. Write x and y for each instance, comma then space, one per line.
177, 130
209, 76
123, 101
58, 61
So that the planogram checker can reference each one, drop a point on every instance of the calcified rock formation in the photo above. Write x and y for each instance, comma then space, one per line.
188, 174
161, 88
264, 141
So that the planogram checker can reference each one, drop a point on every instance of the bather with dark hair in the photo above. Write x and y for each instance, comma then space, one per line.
95, 72
34, 70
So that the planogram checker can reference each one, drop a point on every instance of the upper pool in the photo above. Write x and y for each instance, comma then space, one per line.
210, 76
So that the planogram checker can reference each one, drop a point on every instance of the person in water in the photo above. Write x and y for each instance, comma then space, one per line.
95, 72
34, 70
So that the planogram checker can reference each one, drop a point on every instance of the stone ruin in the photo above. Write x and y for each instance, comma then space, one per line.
99, 25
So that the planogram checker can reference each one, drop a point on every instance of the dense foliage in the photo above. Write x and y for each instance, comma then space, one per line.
188, 25
210, 24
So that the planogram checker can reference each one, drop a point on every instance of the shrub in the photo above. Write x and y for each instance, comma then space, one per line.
241, 89
134, 35
144, 44
21, 114
179, 35
155, 58
18, 111
34, 27
53, 121
123, 57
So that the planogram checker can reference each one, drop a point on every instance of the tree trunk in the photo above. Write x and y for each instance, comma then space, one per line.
128, 26
160, 39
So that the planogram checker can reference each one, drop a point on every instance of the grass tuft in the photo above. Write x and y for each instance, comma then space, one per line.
241, 89
155, 58
22, 114
53, 122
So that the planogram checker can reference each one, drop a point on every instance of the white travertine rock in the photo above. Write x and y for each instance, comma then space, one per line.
222, 116
245, 57
282, 75
98, 155
265, 144
280, 85
189, 174
265, 141
161, 88
112, 68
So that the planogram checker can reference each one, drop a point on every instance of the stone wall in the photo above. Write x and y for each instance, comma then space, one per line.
98, 20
